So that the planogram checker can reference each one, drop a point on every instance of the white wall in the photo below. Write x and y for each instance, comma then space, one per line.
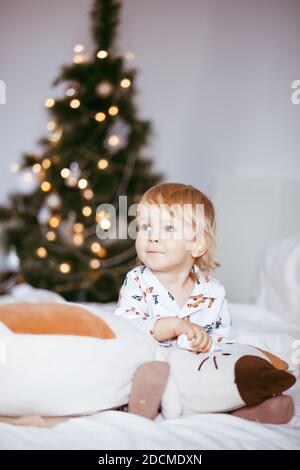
215, 79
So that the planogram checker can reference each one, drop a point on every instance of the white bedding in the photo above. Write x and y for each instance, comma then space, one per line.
119, 430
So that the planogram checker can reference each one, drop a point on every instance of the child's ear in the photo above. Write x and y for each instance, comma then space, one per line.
200, 247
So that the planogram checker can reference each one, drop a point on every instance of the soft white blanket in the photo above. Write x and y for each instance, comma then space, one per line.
118, 430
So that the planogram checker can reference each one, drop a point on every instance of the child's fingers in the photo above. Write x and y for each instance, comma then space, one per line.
208, 345
199, 334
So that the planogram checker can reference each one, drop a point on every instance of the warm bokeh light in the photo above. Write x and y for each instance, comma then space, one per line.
54, 221
102, 164
78, 228
49, 102
36, 168
87, 211
113, 110
78, 48
101, 54
51, 236
74, 103
95, 247
65, 268
41, 252
45, 186
113, 140
46, 163
100, 117
125, 83
88, 194
95, 264
82, 183
70, 91
78, 239
65, 172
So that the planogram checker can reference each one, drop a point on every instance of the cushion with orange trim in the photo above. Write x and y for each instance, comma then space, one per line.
53, 319
66, 359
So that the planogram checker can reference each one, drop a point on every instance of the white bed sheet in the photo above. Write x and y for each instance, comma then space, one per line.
119, 430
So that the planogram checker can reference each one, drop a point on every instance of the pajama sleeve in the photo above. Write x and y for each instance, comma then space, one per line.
132, 304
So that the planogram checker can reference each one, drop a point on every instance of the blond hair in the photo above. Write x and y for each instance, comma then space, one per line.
181, 194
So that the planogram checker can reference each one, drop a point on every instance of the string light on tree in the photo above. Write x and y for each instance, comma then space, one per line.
117, 136
45, 186
75, 103
70, 91
78, 228
88, 194
41, 252
100, 117
101, 54
78, 48
125, 83
49, 103
55, 135
36, 168
78, 239
113, 140
51, 236
51, 125
95, 247
113, 110
65, 268
102, 164
95, 264
104, 89
53, 201
79, 59
46, 163
65, 172
82, 183
54, 221
87, 211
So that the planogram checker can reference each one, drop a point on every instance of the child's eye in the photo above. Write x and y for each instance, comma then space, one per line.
142, 227
169, 228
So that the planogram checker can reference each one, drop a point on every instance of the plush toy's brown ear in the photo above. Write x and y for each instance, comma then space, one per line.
275, 360
53, 319
257, 379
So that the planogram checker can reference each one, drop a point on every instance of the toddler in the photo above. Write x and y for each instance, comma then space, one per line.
171, 291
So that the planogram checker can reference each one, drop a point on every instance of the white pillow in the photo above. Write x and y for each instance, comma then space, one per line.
278, 284
60, 375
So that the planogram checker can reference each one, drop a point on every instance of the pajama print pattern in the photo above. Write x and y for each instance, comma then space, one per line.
143, 299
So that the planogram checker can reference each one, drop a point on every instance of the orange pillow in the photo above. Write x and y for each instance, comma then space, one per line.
53, 319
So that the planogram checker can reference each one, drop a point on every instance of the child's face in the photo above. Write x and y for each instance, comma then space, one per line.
164, 241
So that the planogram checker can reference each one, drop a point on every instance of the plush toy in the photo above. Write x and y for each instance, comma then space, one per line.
62, 359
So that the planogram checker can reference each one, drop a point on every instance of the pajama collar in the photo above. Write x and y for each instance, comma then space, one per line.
204, 293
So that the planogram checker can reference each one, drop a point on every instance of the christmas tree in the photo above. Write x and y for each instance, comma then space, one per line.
90, 156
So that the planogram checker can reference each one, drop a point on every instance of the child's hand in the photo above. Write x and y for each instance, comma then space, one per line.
200, 340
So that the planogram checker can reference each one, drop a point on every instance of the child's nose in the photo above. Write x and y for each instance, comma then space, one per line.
153, 236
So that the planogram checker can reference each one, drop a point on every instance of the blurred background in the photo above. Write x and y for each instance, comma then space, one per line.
214, 78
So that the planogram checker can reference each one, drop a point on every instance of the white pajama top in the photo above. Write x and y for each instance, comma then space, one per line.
143, 300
